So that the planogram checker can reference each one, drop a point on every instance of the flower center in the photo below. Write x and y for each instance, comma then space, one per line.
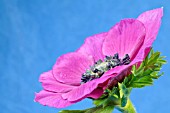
100, 67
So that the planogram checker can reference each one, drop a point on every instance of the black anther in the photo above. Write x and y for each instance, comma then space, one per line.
95, 70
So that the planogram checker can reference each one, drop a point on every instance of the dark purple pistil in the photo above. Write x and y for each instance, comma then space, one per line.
100, 67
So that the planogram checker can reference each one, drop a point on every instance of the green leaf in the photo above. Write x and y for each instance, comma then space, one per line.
128, 108
97, 109
124, 101
111, 101
98, 102
161, 61
72, 111
124, 93
124, 90
100, 109
153, 58
108, 109
148, 70
140, 84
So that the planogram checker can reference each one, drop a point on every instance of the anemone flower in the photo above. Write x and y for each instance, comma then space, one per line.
102, 61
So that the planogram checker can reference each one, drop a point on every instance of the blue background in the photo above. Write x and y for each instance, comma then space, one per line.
33, 33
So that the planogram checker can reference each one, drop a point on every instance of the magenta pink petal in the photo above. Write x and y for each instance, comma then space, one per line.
70, 67
93, 46
51, 84
85, 89
96, 93
52, 99
125, 37
152, 21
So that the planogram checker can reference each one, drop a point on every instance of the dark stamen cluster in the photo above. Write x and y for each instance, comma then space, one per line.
100, 67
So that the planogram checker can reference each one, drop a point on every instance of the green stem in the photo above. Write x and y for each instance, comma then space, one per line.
129, 108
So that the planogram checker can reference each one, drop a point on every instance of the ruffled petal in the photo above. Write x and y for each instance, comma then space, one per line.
70, 67
152, 21
51, 84
96, 93
125, 37
51, 99
86, 89
93, 46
